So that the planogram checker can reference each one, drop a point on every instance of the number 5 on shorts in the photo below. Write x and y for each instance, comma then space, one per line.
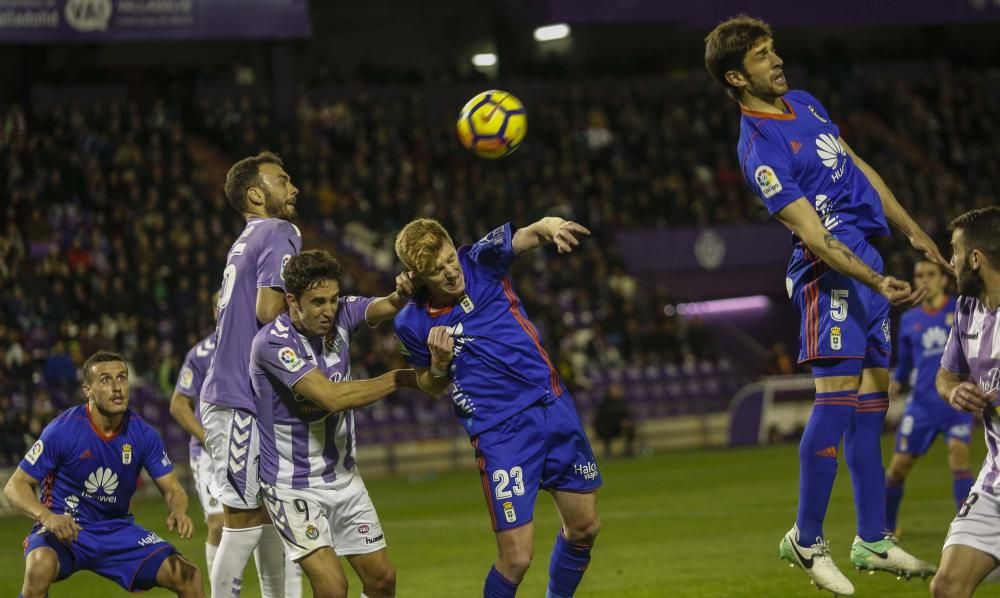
503, 479
838, 304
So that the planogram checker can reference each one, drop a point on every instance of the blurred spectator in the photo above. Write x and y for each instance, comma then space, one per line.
780, 363
613, 420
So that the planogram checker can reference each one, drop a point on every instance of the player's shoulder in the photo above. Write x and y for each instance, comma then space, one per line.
277, 332
801, 96
271, 230
71, 418
138, 425
411, 317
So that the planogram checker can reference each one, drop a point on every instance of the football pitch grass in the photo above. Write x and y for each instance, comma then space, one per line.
699, 523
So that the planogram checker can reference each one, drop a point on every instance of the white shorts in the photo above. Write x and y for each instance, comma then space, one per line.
310, 518
977, 524
231, 438
201, 469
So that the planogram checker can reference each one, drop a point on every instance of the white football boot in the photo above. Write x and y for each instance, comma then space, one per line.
816, 561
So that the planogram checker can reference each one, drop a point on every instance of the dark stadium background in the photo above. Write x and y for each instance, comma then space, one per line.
114, 228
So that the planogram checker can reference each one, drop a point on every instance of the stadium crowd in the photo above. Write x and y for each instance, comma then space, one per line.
114, 234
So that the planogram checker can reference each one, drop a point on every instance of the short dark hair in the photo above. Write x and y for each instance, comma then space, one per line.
309, 268
728, 44
96, 358
245, 174
981, 229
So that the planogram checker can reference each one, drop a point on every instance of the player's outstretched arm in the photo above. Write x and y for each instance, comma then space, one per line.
800, 217
177, 504
897, 215
386, 308
959, 393
182, 410
548, 230
340, 396
21, 494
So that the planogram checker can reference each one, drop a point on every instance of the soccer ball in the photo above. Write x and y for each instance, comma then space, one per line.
492, 124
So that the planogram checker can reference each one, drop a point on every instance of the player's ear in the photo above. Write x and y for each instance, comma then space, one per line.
290, 300
736, 78
255, 196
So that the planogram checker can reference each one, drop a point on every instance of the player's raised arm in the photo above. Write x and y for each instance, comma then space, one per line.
22, 495
182, 410
341, 396
177, 504
800, 217
270, 304
386, 308
897, 215
551, 229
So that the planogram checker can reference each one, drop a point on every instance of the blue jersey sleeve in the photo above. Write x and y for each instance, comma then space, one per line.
766, 169
496, 249
45, 455
155, 458
904, 364
411, 347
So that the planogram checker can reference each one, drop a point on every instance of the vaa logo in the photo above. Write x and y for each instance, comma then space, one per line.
88, 15
102, 479
829, 150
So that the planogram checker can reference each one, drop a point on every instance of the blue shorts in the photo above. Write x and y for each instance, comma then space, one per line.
120, 550
841, 319
918, 429
543, 446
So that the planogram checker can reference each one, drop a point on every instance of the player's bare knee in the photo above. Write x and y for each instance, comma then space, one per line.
584, 531
945, 585
331, 590
40, 571
381, 583
515, 563
181, 574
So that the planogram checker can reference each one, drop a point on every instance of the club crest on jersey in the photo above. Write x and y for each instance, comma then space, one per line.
466, 303
312, 532
835, 338
289, 359
508, 512
126, 453
816, 114
35, 452
767, 180
284, 262
187, 377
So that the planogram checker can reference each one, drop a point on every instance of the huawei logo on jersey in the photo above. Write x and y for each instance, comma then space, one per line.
102, 479
829, 150
934, 338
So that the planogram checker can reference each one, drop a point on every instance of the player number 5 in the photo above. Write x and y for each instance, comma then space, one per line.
503, 479
838, 304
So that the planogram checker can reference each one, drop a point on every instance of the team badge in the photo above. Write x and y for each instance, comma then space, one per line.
466, 303
363, 529
312, 532
284, 262
767, 181
187, 377
289, 359
126, 453
508, 512
950, 320
34, 452
835, 338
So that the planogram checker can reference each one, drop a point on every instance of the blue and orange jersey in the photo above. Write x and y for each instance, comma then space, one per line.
500, 367
798, 154
923, 334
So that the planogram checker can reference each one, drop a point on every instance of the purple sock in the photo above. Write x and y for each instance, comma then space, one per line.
863, 452
566, 566
831, 414
498, 586
961, 485
893, 496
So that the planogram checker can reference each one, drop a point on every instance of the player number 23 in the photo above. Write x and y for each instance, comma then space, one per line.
503, 480
838, 304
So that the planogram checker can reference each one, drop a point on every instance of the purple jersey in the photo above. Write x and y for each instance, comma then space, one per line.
303, 445
973, 354
89, 476
798, 154
255, 261
500, 367
192, 377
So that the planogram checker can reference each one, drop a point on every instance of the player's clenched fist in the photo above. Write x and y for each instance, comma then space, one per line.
899, 292
63, 527
968, 397
441, 344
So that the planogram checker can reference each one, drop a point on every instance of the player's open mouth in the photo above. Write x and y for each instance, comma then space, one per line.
779, 78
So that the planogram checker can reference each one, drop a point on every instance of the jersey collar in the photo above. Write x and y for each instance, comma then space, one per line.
789, 115
100, 434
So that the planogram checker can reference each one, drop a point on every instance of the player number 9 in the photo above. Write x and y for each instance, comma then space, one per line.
228, 280
503, 480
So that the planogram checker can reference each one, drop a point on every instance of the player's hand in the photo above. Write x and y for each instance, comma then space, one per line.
968, 397
441, 345
564, 235
899, 292
405, 285
63, 527
895, 388
406, 378
180, 523
924, 244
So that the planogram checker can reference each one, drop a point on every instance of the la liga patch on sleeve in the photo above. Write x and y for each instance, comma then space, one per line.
35, 452
289, 359
767, 180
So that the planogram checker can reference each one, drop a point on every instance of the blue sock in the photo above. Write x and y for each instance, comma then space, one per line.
893, 496
498, 586
863, 452
961, 485
566, 567
831, 414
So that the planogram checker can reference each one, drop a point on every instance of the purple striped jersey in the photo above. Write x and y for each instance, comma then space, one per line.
973, 353
303, 445
255, 261
192, 377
